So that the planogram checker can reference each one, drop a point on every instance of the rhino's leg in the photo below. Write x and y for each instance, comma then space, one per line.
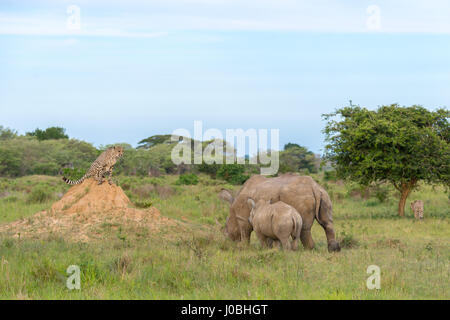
333, 245
286, 243
246, 232
325, 218
269, 242
275, 243
306, 238
327, 224
262, 239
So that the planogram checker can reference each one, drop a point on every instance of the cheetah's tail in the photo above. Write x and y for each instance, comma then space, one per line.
71, 182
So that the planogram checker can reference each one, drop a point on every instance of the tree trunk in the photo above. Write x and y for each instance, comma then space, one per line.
405, 190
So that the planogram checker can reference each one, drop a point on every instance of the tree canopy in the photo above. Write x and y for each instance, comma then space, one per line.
52, 133
290, 145
24, 155
7, 133
49, 152
400, 145
295, 158
153, 140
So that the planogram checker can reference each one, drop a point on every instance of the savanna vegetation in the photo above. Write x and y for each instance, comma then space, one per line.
201, 263
51, 152
399, 145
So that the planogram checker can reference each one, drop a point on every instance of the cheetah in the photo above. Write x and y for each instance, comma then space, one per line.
102, 165
417, 209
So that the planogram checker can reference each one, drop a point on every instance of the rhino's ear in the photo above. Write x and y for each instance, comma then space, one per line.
226, 195
251, 204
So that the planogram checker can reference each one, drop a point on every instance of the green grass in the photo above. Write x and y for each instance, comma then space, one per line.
201, 264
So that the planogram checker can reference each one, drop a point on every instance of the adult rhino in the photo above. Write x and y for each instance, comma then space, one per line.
301, 192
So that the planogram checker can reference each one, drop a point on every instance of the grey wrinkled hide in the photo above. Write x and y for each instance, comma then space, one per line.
275, 222
301, 192
226, 195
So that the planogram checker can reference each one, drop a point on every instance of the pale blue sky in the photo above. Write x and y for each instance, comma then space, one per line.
134, 69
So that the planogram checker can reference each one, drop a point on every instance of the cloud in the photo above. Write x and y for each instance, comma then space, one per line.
134, 18
58, 26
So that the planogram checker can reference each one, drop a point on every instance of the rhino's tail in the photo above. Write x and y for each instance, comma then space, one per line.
318, 199
297, 222
323, 210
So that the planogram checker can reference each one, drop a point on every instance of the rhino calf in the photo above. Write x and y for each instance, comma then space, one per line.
417, 209
275, 222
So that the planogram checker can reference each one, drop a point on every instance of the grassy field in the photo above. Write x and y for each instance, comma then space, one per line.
201, 264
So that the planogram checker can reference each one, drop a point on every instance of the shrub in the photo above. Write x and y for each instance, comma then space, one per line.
44, 271
188, 179
233, 173
165, 191
8, 243
122, 264
382, 193
358, 191
144, 191
46, 168
329, 175
10, 199
371, 203
39, 194
143, 204
210, 169
348, 241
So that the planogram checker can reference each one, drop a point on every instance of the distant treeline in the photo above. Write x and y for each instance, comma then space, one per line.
51, 151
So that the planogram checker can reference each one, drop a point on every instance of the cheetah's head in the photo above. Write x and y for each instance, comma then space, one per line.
119, 151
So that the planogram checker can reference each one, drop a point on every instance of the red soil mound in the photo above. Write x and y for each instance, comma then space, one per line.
89, 211
91, 197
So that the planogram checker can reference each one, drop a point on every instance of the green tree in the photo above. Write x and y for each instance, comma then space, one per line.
7, 133
400, 145
295, 158
291, 145
52, 133
153, 140
9, 162
210, 169
24, 155
141, 161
